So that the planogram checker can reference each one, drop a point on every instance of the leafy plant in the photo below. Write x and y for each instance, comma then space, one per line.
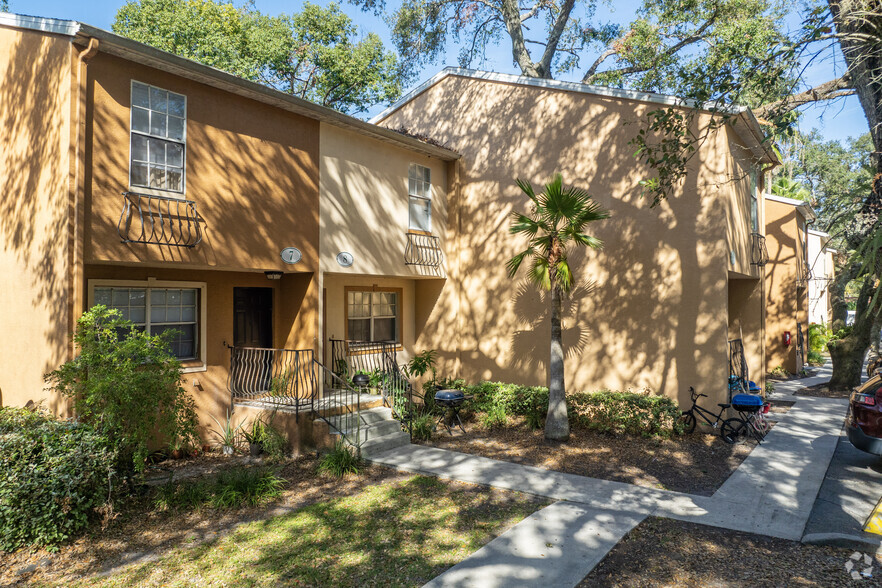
779, 372
282, 382
770, 386
495, 418
232, 488
815, 358
422, 427
630, 413
340, 461
126, 384
257, 434
54, 476
423, 363
818, 335
225, 433
275, 443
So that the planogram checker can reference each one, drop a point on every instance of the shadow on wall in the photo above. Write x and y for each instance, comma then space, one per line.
781, 303
251, 169
33, 213
656, 316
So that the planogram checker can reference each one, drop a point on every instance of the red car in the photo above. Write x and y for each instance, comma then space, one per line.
864, 421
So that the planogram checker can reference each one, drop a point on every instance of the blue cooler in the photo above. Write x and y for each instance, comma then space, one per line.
747, 402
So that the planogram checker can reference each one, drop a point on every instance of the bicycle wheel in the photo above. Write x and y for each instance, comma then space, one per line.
687, 419
734, 430
759, 427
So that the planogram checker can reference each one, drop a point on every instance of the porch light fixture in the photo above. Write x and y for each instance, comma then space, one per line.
273, 275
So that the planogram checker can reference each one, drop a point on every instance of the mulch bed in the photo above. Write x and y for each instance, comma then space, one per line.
140, 529
664, 552
824, 391
695, 464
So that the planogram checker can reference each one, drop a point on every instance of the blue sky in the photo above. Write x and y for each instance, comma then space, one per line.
838, 120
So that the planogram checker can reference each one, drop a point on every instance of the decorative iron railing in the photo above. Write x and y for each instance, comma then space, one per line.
759, 253
804, 277
277, 376
424, 250
159, 220
379, 360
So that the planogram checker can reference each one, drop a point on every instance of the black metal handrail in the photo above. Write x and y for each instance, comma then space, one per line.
759, 253
159, 220
424, 250
340, 406
804, 277
737, 365
277, 376
800, 343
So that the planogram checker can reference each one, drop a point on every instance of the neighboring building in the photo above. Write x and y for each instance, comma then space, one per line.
173, 191
658, 305
820, 261
788, 278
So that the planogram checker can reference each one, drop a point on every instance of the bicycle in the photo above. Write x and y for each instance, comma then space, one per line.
752, 422
689, 420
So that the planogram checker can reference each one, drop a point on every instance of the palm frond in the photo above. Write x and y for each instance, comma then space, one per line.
539, 273
515, 262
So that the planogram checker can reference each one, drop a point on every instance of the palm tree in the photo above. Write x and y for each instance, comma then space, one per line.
559, 218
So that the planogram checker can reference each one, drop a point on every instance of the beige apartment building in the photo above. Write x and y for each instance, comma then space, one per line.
788, 277
673, 286
258, 225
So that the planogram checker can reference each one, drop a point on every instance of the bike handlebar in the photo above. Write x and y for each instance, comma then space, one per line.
694, 395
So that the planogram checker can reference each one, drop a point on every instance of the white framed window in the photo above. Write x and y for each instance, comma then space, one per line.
419, 190
155, 307
157, 153
373, 315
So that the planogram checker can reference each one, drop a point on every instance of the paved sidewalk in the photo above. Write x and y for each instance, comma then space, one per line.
771, 493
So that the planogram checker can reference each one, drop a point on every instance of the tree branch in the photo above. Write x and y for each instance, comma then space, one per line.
554, 37
826, 91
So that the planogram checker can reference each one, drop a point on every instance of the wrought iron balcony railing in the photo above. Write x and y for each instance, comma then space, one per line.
424, 250
804, 277
159, 220
759, 254
279, 376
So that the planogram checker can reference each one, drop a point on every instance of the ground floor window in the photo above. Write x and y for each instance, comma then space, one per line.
156, 310
373, 315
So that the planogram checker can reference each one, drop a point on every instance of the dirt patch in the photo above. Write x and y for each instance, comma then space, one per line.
824, 391
139, 529
663, 552
695, 464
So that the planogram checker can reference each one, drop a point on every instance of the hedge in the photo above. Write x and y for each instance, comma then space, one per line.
608, 411
53, 476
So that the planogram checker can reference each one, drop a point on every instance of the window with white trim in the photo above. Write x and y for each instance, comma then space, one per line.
158, 139
156, 310
419, 190
372, 315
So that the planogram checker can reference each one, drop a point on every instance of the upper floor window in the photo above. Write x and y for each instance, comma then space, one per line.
419, 190
158, 138
754, 205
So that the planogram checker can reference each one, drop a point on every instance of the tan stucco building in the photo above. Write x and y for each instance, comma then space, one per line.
658, 305
173, 192
788, 276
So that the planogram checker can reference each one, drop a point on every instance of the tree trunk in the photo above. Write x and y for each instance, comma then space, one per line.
848, 353
557, 423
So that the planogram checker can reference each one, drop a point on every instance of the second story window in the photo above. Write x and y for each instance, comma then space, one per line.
158, 139
754, 206
419, 190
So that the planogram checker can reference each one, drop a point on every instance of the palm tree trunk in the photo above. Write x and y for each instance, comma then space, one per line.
557, 424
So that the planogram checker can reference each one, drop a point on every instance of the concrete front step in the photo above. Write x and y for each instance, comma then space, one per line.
379, 445
372, 416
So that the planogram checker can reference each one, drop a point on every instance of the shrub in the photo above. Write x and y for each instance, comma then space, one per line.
815, 358
512, 398
126, 384
779, 372
232, 488
625, 412
340, 461
770, 386
422, 426
53, 476
495, 418
817, 337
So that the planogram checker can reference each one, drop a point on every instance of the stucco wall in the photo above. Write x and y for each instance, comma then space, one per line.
35, 115
295, 320
781, 290
648, 309
364, 204
252, 170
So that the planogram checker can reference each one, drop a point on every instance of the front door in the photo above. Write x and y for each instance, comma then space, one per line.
253, 318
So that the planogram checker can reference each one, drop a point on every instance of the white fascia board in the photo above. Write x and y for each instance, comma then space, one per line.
38, 23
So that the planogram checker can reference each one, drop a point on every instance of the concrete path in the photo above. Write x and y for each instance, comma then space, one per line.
771, 493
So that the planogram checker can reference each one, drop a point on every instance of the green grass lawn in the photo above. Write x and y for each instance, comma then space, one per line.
394, 534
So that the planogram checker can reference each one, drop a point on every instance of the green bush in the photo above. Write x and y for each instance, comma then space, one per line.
126, 383
818, 335
815, 358
232, 488
627, 413
495, 418
53, 476
512, 398
340, 461
422, 427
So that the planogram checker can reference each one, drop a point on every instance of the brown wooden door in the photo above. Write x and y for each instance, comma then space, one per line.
253, 317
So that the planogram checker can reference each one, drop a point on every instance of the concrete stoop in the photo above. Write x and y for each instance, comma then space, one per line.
374, 429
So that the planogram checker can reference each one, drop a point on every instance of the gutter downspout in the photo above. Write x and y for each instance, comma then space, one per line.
76, 189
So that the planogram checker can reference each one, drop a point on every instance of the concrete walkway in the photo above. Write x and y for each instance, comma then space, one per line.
771, 493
